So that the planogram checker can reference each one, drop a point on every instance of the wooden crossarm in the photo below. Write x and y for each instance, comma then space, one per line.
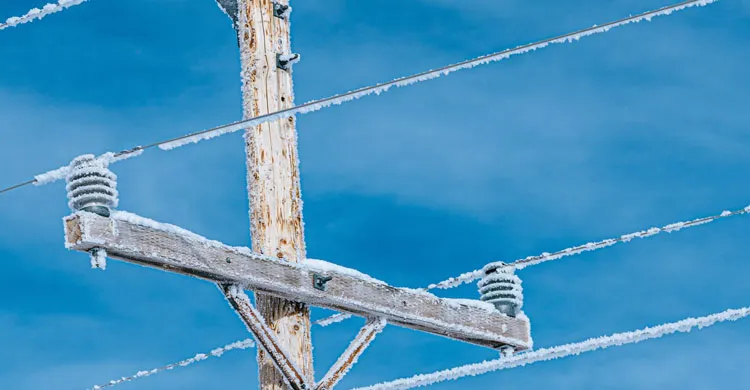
181, 252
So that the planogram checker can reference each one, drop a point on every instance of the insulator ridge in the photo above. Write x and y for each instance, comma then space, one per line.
501, 287
91, 186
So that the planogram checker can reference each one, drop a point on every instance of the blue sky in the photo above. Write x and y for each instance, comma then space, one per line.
638, 127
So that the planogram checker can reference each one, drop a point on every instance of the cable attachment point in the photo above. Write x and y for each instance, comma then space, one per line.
281, 11
501, 287
285, 61
98, 258
91, 186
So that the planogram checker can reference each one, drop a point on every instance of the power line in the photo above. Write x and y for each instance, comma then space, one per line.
523, 359
423, 76
574, 349
534, 260
377, 89
36, 13
472, 276
11, 188
592, 246
243, 344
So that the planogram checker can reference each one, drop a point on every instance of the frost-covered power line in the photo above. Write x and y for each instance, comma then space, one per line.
472, 276
333, 319
424, 76
243, 344
377, 89
36, 13
592, 246
561, 351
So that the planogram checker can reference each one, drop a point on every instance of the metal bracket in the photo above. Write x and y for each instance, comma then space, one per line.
285, 61
319, 281
256, 324
281, 11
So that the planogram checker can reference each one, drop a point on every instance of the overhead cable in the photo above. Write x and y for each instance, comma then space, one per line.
243, 344
472, 276
37, 13
574, 349
377, 89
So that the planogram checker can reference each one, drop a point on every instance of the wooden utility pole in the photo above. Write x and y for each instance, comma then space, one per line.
273, 175
280, 319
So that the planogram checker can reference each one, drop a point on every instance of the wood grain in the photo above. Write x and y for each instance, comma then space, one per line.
273, 176
223, 264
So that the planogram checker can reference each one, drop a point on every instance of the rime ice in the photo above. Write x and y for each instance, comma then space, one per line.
561, 351
429, 75
36, 13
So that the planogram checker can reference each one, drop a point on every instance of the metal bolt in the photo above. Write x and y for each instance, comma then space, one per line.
285, 61
319, 281
281, 10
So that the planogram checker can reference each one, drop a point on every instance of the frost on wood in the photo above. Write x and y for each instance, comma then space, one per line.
36, 13
265, 337
324, 266
470, 302
591, 246
187, 234
171, 252
352, 353
424, 76
216, 352
561, 351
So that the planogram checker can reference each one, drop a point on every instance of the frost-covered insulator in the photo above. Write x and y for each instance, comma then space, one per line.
91, 186
285, 61
281, 10
502, 288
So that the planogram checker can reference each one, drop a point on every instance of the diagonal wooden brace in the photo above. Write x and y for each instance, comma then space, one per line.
264, 336
352, 353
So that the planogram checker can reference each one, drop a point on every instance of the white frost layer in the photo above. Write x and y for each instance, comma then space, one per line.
143, 221
36, 13
591, 246
561, 351
324, 266
464, 278
217, 352
470, 302
265, 339
314, 265
62, 172
333, 319
424, 76
351, 355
